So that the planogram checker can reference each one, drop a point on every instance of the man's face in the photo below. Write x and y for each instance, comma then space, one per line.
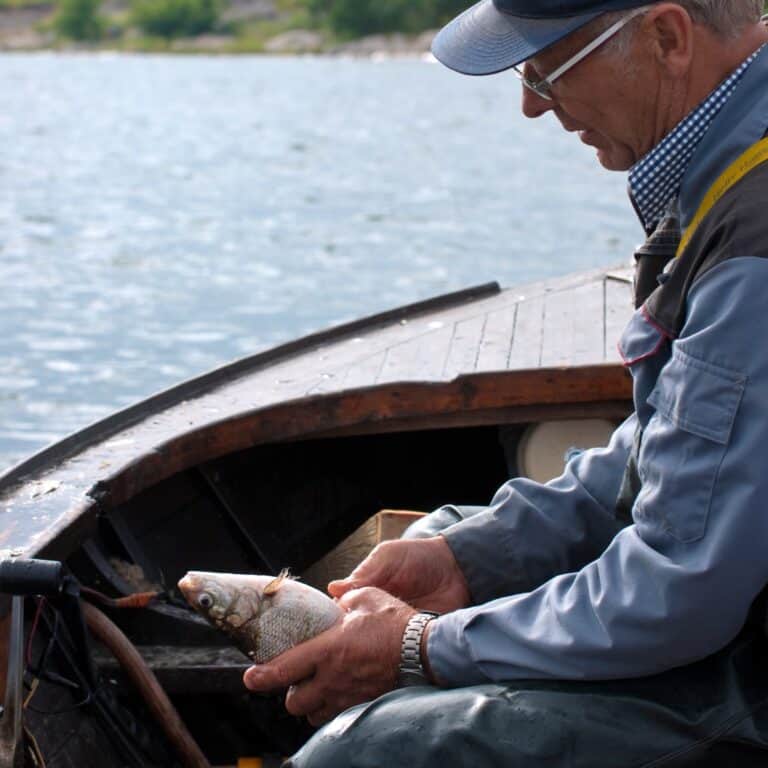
609, 101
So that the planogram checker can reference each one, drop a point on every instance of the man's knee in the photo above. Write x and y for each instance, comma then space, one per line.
423, 727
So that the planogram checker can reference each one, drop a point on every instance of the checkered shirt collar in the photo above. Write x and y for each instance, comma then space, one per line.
654, 181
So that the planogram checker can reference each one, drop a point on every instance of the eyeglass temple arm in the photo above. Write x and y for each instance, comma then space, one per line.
596, 43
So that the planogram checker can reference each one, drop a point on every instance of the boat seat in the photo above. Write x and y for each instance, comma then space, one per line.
186, 669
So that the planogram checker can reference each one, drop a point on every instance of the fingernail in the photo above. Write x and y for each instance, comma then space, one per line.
252, 675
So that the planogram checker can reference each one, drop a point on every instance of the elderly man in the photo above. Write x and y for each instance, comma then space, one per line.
613, 616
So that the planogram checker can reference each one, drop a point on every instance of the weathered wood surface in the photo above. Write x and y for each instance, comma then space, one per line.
463, 359
186, 669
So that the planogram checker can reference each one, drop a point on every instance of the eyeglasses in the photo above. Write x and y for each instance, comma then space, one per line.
543, 87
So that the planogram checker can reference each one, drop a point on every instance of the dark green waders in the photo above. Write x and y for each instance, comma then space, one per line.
712, 714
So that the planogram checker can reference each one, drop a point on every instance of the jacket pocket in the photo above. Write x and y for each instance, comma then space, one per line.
684, 443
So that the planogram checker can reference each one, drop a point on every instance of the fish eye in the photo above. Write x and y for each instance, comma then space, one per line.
205, 600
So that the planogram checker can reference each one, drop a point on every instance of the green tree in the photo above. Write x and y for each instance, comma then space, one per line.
176, 18
364, 17
79, 19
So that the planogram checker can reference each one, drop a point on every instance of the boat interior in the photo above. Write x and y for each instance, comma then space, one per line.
257, 510
102, 662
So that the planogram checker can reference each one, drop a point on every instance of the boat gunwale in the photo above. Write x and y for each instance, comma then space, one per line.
61, 450
304, 417
478, 394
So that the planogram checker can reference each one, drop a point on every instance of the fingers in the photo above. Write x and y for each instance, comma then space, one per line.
304, 699
355, 580
363, 575
340, 587
288, 668
354, 661
320, 718
307, 700
374, 571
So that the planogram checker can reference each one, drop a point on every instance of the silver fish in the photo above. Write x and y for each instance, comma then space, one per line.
264, 615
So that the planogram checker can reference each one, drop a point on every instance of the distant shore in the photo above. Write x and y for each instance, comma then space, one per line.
252, 26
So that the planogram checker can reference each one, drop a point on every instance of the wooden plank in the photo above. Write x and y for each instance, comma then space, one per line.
617, 410
618, 309
186, 669
496, 344
365, 372
529, 331
464, 347
420, 359
574, 326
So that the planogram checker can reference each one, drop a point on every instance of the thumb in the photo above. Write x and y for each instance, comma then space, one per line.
364, 575
340, 587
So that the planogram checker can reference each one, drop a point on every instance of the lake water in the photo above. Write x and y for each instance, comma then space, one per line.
160, 215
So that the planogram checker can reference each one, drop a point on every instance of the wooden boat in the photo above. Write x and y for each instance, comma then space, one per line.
265, 463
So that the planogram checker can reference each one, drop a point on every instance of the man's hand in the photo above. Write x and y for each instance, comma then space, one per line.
354, 661
423, 572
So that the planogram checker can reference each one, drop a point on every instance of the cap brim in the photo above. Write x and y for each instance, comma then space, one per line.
483, 40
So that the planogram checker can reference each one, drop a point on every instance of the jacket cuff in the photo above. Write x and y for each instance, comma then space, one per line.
448, 653
484, 556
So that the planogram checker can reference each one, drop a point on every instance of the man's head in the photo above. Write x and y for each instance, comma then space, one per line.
622, 73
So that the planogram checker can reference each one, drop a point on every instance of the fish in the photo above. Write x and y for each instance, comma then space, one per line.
264, 615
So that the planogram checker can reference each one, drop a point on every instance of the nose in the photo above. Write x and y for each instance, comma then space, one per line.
534, 105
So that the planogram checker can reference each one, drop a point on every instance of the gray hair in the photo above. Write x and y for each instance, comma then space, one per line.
726, 18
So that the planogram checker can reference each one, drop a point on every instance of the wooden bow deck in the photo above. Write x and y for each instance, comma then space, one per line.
484, 355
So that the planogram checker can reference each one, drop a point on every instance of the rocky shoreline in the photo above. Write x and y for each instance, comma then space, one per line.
27, 29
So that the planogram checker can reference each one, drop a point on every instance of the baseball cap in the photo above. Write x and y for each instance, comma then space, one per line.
494, 35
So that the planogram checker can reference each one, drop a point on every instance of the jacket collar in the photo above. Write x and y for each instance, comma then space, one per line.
741, 123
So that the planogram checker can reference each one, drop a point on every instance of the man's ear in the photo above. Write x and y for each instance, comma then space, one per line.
670, 34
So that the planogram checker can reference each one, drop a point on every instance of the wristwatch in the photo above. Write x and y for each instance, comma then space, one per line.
411, 670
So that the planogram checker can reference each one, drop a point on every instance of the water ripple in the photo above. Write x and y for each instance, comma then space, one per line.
163, 215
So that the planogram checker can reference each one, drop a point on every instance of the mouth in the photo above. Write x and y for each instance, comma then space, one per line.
586, 135
187, 584
592, 139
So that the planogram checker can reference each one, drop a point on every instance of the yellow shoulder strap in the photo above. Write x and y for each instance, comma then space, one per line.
737, 170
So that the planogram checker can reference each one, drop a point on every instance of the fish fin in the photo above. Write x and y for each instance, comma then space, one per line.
276, 583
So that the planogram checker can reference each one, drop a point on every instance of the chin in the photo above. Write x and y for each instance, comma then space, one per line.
613, 160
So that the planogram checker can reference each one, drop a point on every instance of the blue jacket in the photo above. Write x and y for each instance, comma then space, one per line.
561, 589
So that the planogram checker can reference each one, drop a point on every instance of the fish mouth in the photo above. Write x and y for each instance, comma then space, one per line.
188, 583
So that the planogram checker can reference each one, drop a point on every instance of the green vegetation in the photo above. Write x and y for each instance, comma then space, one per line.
352, 18
78, 19
173, 25
175, 18
20, 3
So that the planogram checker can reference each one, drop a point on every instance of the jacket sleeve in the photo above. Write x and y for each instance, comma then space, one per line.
677, 585
531, 532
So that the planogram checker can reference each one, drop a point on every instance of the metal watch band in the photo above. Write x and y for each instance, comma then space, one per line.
411, 669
